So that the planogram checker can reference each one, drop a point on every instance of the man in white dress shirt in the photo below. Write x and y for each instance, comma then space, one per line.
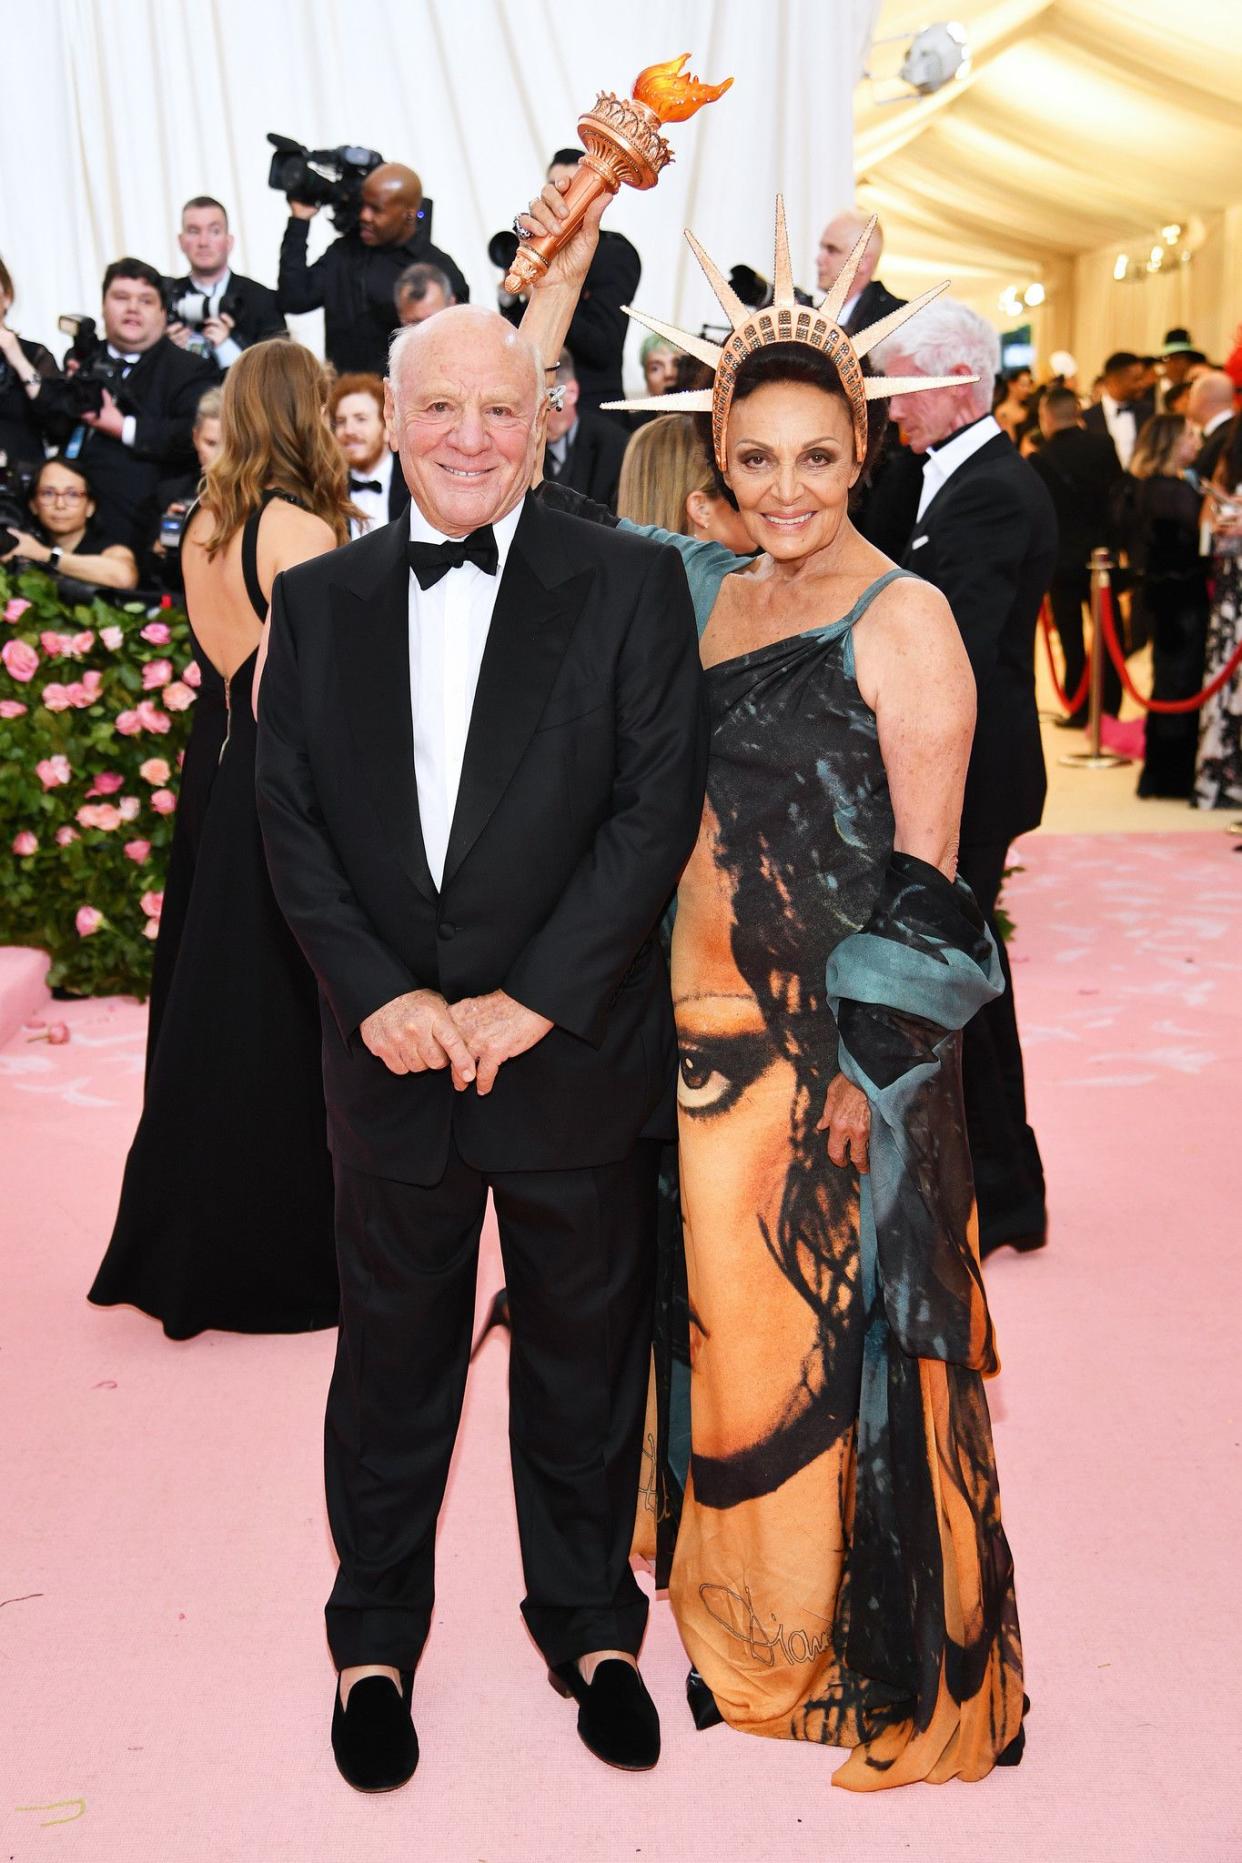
1122, 410
482, 753
356, 416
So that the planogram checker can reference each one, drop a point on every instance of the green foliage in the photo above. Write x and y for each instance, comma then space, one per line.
85, 680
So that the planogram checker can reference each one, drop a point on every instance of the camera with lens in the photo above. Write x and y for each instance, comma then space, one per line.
16, 483
298, 173
188, 306
82, 391
755, 290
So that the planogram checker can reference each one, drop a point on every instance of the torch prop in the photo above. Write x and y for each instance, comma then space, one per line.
623, 143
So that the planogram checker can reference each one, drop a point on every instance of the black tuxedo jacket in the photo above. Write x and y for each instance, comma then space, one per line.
1081, 471
1209, 455
162, 390
398, 491
593, 464
988, 541
579, 803
874, 302
354, 284
1095, 422
257, 315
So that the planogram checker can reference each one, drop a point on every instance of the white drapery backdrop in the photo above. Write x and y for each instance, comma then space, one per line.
116, 111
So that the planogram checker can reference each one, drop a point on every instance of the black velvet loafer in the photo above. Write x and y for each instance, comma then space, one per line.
617, 1719
373, 1739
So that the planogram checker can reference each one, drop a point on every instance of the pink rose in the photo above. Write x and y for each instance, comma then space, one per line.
112, 637
157, 632
56, 697
88, 919
151, 929
106, 784
152, 904
58, 1034
56, 646
21, 660
156, 673
85, 691
102, 815
163, 801
137, 851
127, 808
25, 843
12, 708
129, 724
83, 642
151, 718
53, 771
154, 770
192, 675
65, 835
15, 608
178, 697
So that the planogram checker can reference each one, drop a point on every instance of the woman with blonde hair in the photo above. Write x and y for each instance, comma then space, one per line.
667, 480
226, 1209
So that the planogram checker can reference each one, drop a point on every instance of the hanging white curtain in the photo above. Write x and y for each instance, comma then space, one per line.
116, 111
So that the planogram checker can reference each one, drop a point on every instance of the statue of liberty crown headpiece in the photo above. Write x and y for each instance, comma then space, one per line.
787, 321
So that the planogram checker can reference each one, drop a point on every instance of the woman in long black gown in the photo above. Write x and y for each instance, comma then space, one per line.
225, 1217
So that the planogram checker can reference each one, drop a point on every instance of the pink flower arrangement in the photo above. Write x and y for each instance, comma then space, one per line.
151, 929
15, 608
156, 673
56, 697
137, 851
25, 844
152, 904
192, 676
128, 724
58, 1034
106, 784
157, 632
66, 835
154, 770
151, 718
53, 771
87, 921
103, 815
178, 697
12, 708
112, 637
56, 646
21, 660
83, 642
163, 801
84, 691
127, 808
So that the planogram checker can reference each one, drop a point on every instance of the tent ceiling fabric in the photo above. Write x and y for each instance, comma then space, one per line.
1081, 123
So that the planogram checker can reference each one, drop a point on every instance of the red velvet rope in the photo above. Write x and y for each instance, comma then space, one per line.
1159, 705
1070, 706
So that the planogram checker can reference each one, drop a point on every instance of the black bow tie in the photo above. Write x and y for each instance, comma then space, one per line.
365, 485
430, 561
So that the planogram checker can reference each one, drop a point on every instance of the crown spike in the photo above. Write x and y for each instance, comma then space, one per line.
782, 268
697, 346
730, 303
875, 333
884, 387
684, 401
839, 291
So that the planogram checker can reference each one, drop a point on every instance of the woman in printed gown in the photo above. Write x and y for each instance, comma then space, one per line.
840, 1573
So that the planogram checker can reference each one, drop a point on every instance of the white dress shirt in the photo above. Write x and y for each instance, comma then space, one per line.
373, 505
941, 464
449, 625
213, 290
1122, 427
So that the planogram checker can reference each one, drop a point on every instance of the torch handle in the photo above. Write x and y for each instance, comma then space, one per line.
535, 255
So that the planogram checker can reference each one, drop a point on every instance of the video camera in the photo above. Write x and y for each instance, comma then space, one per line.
297, 173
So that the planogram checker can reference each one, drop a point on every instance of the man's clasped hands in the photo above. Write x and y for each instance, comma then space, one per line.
420, 1031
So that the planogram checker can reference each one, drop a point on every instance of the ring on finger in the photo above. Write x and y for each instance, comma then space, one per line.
521, 231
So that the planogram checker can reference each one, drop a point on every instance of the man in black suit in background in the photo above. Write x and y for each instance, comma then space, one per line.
376, 485
1210, 406
143, 432
870, 299
355, 279
986, 536
584, 450
1122, 409
482, 752
237, 311
1081, 472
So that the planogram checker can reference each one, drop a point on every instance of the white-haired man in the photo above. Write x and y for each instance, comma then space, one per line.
986, 535
1210, 406
481, 763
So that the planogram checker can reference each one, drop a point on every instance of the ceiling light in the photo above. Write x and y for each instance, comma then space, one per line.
1121, 266
1171, 234
936, 56
1033, 295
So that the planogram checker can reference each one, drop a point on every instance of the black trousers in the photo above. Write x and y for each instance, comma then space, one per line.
1009, 1173
579, 1258
1068, 594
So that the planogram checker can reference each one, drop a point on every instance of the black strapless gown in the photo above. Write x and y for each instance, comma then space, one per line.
225, 1217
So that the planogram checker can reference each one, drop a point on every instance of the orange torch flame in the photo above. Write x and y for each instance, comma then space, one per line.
673, 96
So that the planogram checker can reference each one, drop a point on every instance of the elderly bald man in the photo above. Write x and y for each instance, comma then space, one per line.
870, 300
1211, 406
482, 751
355, 279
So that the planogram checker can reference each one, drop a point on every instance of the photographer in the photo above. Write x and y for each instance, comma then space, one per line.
354, 281
584, 450
235, 311
421, 291
165, 518
24, 366
596, 337
67, 537
128, 410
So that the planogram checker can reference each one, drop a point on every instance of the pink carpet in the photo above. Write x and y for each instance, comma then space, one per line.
166, 1686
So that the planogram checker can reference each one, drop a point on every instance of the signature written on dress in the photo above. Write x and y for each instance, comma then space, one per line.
735, 1612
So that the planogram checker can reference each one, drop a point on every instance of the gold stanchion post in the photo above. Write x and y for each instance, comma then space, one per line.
1095, 757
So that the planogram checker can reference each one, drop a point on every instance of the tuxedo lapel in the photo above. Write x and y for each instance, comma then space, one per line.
995, 447
531, 626
373, 662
